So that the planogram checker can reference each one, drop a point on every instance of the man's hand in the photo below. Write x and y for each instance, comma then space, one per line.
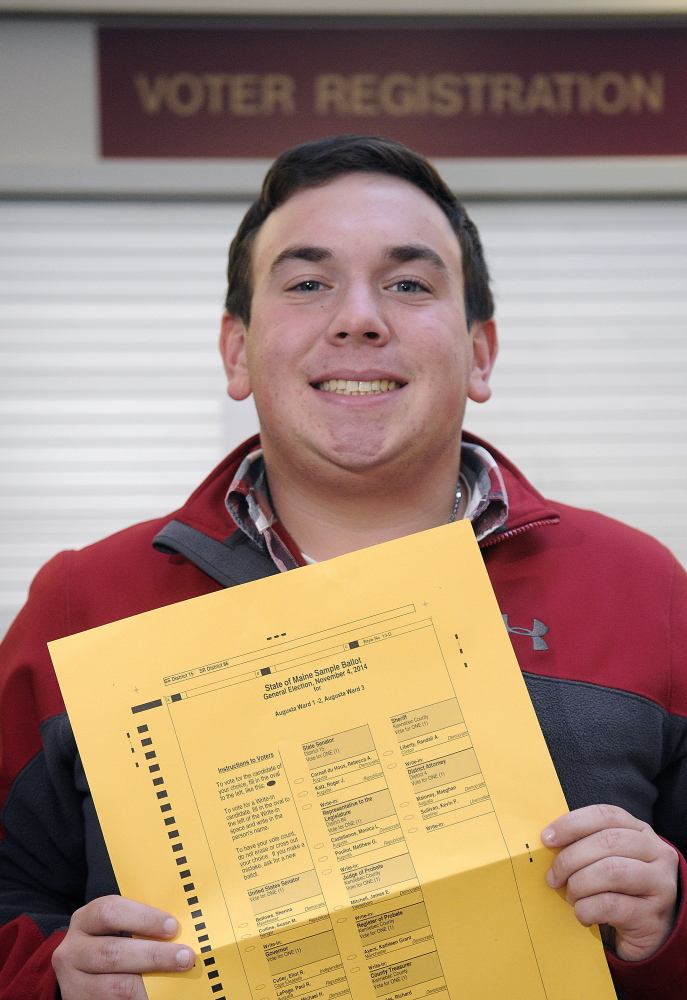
97, 961
617, 872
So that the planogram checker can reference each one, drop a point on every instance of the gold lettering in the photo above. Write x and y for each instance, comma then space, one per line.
215, 84
540, 95
244, 95
331, 93
362, 94
422, 105
476, 83
616, 101
505, 91
278, 91
185, 94
585, 98
565, 83
151, 98
397, 94
647, 93
447, 99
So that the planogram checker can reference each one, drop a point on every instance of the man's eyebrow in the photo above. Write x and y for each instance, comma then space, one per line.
405, 254
313, 254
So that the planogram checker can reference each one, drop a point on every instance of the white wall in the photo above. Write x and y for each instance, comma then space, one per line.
48, 97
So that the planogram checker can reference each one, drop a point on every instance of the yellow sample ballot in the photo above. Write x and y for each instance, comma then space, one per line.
335, 779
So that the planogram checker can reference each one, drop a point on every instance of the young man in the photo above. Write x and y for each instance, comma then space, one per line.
359, 315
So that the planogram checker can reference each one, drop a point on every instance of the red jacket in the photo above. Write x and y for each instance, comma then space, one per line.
598, 617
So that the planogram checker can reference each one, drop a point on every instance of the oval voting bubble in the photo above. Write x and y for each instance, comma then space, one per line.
299, 781
409, 816
338, 907
351, 958
404, 805
243, 925
318, 847
327, 871
342, 920
308, 805
356, 969
413, 829
250, 948
388, 753
271, 782
261, 986
389, 766
301, 794
245, 937
325, 857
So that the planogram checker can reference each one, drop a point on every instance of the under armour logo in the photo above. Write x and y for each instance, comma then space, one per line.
535, 633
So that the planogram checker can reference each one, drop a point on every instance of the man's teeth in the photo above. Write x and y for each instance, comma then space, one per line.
346, 387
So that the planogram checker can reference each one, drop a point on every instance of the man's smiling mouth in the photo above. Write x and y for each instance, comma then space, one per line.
348, 387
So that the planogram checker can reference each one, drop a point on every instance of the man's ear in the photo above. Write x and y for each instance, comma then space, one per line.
232, 345
485, 346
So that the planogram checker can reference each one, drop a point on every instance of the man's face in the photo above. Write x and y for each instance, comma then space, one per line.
358, 351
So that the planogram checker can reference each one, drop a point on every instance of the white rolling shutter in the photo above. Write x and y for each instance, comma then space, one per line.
590, 390
113, 404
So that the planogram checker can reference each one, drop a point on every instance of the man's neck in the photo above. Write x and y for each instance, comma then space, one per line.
331, 511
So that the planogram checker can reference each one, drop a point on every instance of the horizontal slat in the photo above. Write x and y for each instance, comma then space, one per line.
107, 453
121, 407
125, 240
111, 359
24, 483
136, 266
104, 288
126, 380
97, 336
78, 502
108, 311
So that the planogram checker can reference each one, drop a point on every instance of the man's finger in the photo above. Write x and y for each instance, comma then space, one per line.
83, 987
583, 822
613, 842
118, 915
611, 908
110, 955
613, 875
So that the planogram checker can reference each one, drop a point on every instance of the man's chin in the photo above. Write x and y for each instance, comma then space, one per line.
359, 456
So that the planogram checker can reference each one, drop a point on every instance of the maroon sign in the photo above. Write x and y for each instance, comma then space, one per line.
208, 92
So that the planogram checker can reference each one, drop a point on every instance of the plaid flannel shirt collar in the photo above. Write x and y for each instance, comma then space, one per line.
249, 503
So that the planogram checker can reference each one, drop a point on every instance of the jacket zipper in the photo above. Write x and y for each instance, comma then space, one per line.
494, 539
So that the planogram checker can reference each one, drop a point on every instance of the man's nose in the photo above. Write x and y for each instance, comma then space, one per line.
359, 318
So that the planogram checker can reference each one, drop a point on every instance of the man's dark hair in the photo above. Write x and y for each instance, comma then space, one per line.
314, 163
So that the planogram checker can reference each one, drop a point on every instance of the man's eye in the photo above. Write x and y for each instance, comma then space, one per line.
408, 286
307, 286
